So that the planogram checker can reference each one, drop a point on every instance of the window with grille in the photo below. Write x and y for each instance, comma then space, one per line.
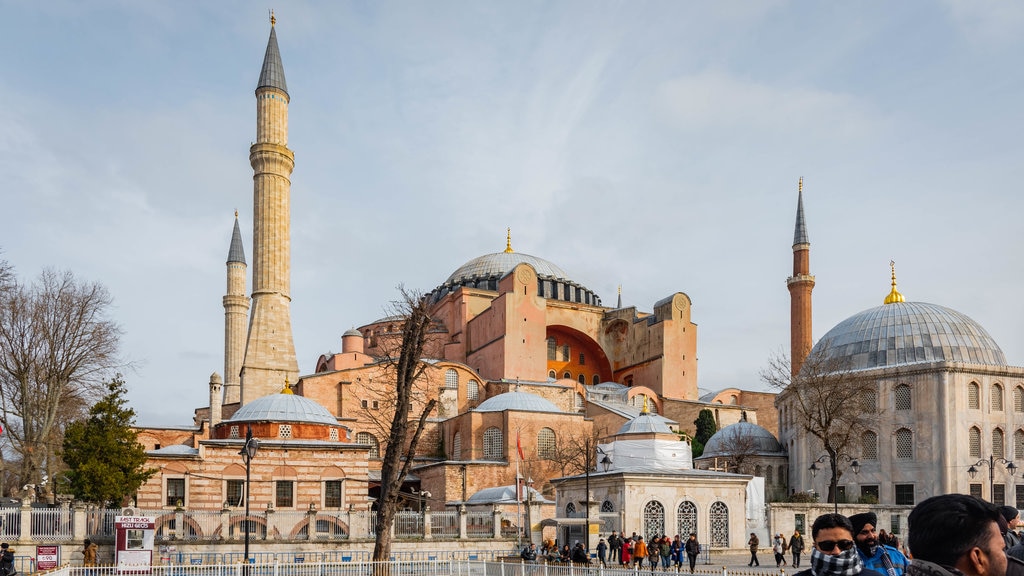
869, 446
686, 518
904, 443
869, 491
284, 431
974, 396
333, 494
719, 516
284, 494
894, 524
175, 492
451, 379
1020, 496
607, 506
1018, 399
998, 444
371, 441
565, 353
999, 494
334, 434
974, 442
583, 359
869, 401
997, 398
654, 519
552, 349
769, 475
902, 397
570, 510
1018, 445
782, 476
546, 444
473, 390
493, 449
800, 523
975, 490
457, 446
234, 493
233, 432
904, 494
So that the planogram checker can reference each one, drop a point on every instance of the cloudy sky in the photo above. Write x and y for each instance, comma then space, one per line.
656, 145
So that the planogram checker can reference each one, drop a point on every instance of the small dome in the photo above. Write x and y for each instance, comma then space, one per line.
645, 423
501, 495
176, 450
904, 333
521, 401
284, 408
723, 442
353, 332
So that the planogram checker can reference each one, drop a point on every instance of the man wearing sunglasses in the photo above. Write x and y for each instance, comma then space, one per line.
834, 552
876, 556
954, 535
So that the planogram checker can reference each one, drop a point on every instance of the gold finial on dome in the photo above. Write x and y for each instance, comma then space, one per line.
272, 19
508, 241
894, 294
287, 387
645, 410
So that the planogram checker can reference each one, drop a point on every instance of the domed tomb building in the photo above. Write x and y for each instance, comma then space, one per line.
747, 448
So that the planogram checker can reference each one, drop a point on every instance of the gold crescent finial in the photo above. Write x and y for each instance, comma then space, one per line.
508, 241
620, 289
645, 411
894, 294
272, 19
236, 213
800, 186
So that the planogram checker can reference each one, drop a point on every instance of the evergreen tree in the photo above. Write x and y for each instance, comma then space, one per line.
706, 428
104, 458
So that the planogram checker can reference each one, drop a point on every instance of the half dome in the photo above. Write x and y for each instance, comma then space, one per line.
284, 408
724, 442
521, 401
904, 333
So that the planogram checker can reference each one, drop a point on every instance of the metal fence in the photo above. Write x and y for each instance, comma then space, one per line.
444, 524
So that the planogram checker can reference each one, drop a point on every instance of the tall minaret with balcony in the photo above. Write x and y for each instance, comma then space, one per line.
236, 315
270, 351
801, 283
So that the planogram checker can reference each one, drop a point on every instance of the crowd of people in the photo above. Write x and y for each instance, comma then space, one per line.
948, 535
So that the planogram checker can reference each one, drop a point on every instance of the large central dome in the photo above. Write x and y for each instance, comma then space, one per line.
904, 333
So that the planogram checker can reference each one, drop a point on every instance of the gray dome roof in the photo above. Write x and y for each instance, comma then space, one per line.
501, 495
723, 442
501, 263
910, 333
176, 450
645, 423
284, 408
352, 332
522, 401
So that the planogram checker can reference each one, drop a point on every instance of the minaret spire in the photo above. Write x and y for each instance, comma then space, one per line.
619, 304
508, 241
236, 315
270, 349
800, 284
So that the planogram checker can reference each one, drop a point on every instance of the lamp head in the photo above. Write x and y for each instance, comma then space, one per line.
972, 472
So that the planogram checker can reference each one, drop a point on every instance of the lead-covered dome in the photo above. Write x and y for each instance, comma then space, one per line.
904, 333
283, 408
753, 439
522, 401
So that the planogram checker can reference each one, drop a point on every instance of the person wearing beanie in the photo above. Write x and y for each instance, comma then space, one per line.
1012, 517
876, 556
834, 552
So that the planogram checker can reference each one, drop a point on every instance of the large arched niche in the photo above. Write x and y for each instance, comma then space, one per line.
594, 361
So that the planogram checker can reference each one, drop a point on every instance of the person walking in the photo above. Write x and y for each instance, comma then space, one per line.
626, 553
677, 553
639, 552
796, 547
614, 547
89, 553
753, 543
692, 550
779, 549
665, 549
602, 552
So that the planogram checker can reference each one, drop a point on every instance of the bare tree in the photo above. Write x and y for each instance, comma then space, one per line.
408, 368
827, 400
56, 348
739, 447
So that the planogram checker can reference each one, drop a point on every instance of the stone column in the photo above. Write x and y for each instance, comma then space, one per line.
497, 523
427, 524
462, 522
26, 521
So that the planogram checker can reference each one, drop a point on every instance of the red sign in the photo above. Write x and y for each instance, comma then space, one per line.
47, 557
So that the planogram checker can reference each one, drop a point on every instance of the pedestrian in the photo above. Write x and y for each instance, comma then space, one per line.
875, 555
665, 550
626, 552
639, 552
614, 547
579, 554
602, 552
692, 550
529, 553
753, 543
678, 551
7, 560
834, 552
779, 549
89, 553
1012, 517
955, 534
796, 547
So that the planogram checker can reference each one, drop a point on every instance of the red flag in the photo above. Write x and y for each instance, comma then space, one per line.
519, 446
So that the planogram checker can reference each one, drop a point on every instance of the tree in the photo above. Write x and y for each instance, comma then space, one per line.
739, 447
407, 368
104, 458
706, 428
828, 402
56, 348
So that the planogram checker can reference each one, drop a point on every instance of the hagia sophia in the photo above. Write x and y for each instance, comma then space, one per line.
523, 357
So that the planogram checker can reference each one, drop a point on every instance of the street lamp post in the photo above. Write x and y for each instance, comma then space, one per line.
991, 463
586, 503
248, 452
834, 484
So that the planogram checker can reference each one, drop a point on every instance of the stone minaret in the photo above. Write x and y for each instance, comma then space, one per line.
236, 313
270, 351
801, 283
215, 395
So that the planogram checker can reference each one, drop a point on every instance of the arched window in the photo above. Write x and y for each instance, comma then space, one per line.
371, 441
769, 475
570, 510
472, 390
595, 380
719, 515
974, 396
997, 398
607, 506
974, 442
451, 379
904, 443
579, 403
686, 518
1018, 399
493, 449
552, 374
782, 476
902, 396
457, 446
757, 470
552, 349
869, 445
654, 519
1018, 445
567, 375
582, 378
546, 444
869, 401
565, 353
998, 444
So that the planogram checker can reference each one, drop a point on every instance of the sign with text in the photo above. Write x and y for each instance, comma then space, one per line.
134, 538
47, 557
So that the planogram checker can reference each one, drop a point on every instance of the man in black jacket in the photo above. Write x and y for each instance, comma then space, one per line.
955, 534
